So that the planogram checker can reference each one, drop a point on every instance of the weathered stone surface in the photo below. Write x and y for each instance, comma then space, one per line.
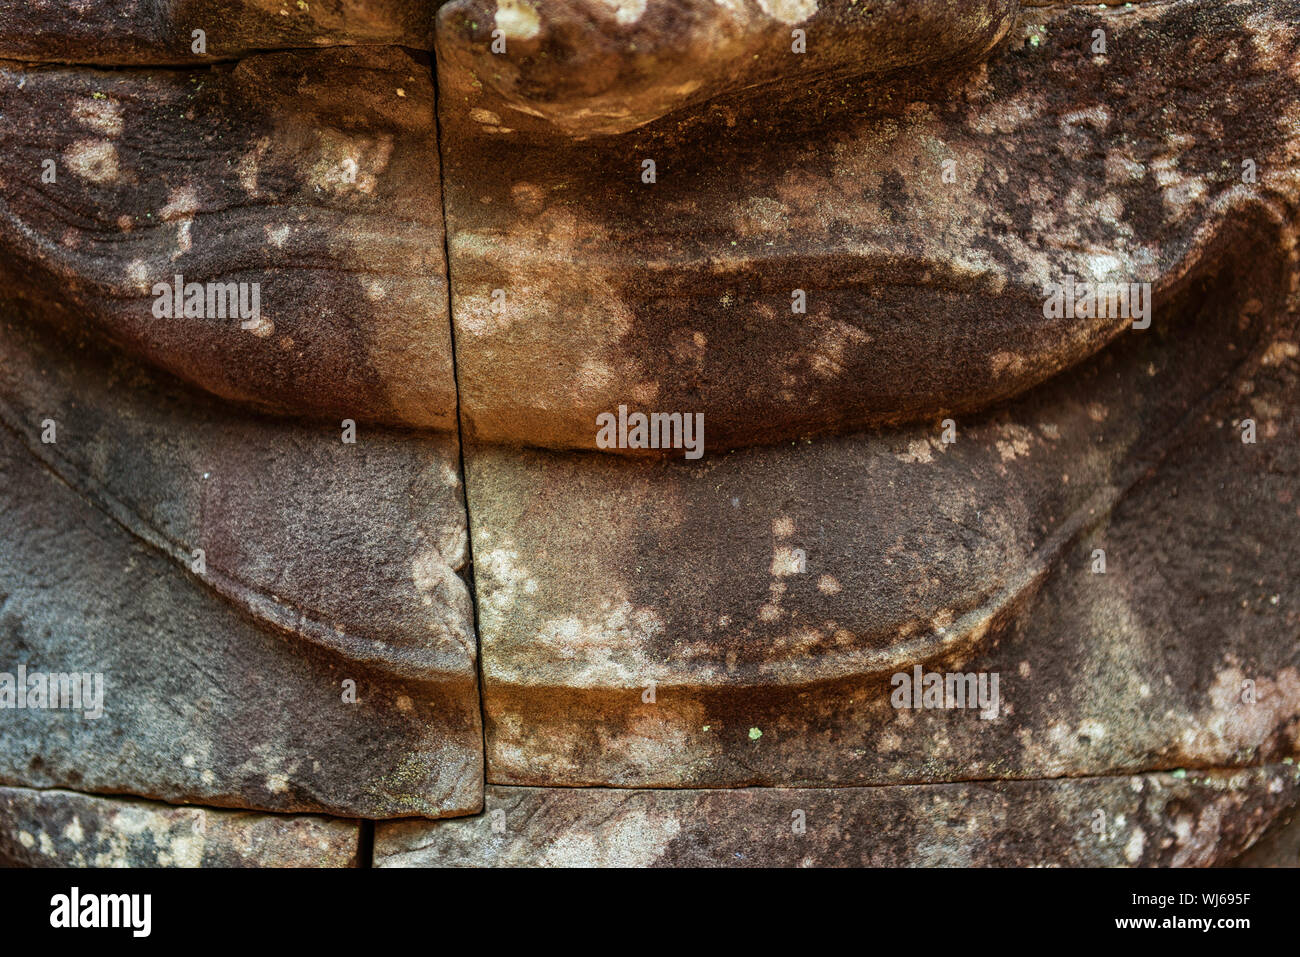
599, 576
924, 297
1143, 820
1278, 847
66, 829
143, 31
314, 175
608, 66
920, 472
323, 562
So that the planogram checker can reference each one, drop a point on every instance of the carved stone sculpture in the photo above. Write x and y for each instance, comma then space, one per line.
842, 431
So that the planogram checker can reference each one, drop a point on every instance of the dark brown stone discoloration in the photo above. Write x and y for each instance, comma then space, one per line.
149, 32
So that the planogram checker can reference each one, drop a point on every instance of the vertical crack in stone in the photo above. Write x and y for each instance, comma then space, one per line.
468, 572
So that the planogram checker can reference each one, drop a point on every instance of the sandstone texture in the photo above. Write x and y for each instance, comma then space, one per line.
1278, 847
143, 32
279, 613
64, 829
920, 214
777, 590
322, 563
592, 67
1143, 820
313, 175
324, 337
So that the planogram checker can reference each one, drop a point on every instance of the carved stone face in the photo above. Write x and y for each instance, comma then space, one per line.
986, 312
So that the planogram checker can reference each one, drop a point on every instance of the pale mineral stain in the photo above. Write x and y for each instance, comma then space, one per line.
833, 340
1272, 40
626, 11
786, 561
1098, 117
182, 204
262, 326
789, 11
518, 19
94, 160
432, 573
1279, 351
103, 116
138, 274
186, 850
594, 377
249, 165
348, 164
1015, 442
604, 648
1091, 729
1137, 843
919, 452
1230, 726
1104, 266
631, 838
505, 580
1122, 168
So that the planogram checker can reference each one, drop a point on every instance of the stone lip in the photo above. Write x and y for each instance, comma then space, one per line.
1154, 819
598, 67
271, 503
310, 176
227, 684
924, 296
775, 589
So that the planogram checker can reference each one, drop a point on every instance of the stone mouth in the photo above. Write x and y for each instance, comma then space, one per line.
1063, 455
